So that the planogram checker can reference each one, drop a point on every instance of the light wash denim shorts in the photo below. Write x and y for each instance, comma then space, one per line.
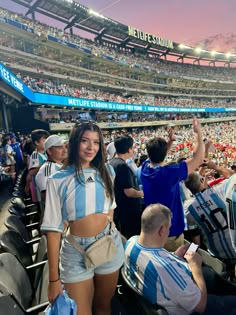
72, 268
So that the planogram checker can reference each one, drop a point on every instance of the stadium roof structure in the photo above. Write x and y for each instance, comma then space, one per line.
105, 29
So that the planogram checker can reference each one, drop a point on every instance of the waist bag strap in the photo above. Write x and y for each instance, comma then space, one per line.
80, 248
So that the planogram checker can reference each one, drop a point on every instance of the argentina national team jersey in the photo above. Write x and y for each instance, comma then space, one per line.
161, 277
47, 169
209, 210
230, 192
69, 198
37, 159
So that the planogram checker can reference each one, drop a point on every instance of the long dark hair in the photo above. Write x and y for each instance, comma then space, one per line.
98, 162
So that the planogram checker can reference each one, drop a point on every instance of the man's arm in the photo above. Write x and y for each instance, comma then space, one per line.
171, 139
198, 154
133, 193
33, 171
208, 144
225, 172
195, 263
124, 176
43, 195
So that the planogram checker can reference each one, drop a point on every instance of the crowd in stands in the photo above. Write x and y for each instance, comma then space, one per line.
175, 87
47, 154
64, 89
127, 58
99, 73
67, 116
222, 135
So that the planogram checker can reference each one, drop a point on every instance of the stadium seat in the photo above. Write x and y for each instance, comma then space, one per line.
8, 304
141, 303
11, 242
18, 189
28, 213
19, 203
28, 232
213, 262
17, 296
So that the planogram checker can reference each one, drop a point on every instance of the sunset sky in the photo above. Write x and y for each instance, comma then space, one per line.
183, 21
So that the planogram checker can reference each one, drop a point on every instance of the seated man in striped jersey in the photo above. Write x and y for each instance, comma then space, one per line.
230, 194
168, 279
56, 150
208, 209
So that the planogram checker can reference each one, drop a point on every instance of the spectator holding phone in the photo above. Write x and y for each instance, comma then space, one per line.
168, 279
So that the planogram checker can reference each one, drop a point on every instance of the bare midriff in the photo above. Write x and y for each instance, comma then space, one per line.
91, 225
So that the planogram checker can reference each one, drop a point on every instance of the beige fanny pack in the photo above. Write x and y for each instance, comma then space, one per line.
100, 252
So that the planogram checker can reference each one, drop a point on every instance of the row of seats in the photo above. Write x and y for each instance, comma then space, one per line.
23, 258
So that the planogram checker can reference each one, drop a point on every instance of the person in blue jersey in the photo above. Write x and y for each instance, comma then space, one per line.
81, 193
161, 182
208, 209
18, 153
168, 279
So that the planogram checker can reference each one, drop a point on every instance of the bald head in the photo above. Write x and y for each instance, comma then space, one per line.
154, 216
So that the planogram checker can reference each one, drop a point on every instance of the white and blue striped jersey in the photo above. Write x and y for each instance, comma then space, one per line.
46, 170
37, 159
185, 194
209, 211
69, 198
161, 277
230, 192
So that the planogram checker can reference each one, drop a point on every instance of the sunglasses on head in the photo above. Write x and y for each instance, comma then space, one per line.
86, 121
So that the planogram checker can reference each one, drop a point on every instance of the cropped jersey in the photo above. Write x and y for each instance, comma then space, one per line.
69, 199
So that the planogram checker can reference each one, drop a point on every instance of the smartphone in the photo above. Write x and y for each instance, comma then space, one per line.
192, 248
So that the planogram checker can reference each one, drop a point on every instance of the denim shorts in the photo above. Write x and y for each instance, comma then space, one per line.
72, 268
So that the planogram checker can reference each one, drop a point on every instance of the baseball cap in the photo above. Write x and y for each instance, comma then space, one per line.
12, 136
53, 141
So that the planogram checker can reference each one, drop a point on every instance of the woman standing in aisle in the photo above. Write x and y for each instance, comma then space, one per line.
82, 194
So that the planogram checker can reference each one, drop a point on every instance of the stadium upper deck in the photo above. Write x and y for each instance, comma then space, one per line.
56, 66
74, 15
113, 53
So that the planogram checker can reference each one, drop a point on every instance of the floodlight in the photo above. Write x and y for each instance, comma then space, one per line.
95, 13
182, 46
198, 50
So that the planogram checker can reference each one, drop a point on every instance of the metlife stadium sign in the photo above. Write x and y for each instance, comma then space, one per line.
93, 104
57, 100
151, 39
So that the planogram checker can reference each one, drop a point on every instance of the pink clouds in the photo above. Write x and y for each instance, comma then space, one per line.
178, 20
183, 21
